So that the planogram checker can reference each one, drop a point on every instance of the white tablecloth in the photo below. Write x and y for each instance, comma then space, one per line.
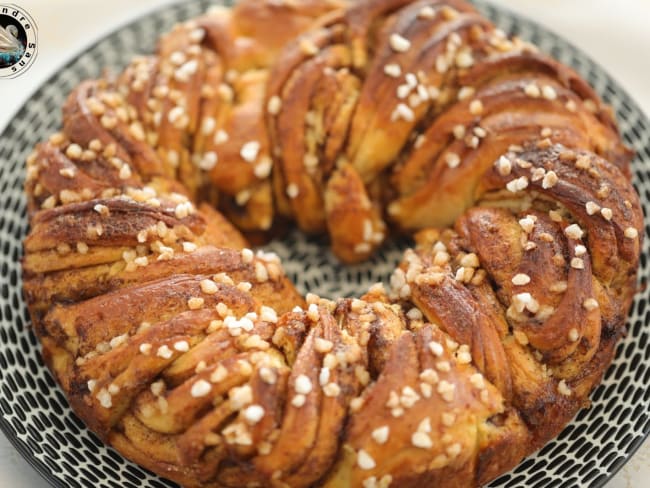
614, 33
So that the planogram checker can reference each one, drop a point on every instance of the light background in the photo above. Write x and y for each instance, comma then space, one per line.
614, 33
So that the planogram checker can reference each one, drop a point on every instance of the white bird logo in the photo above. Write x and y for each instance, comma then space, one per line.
9, 43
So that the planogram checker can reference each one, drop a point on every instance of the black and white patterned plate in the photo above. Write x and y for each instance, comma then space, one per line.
38, 421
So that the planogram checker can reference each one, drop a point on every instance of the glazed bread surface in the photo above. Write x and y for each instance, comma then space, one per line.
196, 357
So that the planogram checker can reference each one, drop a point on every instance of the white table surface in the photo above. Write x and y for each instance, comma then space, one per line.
614, 33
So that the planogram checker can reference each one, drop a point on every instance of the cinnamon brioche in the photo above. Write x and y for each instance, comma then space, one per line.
196, 357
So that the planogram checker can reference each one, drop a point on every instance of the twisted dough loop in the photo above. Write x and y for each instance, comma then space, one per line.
196, 357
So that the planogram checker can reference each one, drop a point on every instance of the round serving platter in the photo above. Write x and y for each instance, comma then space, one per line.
36, 418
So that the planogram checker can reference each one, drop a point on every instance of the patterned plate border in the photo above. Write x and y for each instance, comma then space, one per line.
33, 411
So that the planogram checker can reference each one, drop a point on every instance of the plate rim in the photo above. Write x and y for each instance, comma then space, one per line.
10, 432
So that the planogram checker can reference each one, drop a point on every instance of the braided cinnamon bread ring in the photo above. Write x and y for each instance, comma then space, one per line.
195, 356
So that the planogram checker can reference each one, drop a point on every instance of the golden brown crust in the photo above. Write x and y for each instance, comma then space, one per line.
197, 358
